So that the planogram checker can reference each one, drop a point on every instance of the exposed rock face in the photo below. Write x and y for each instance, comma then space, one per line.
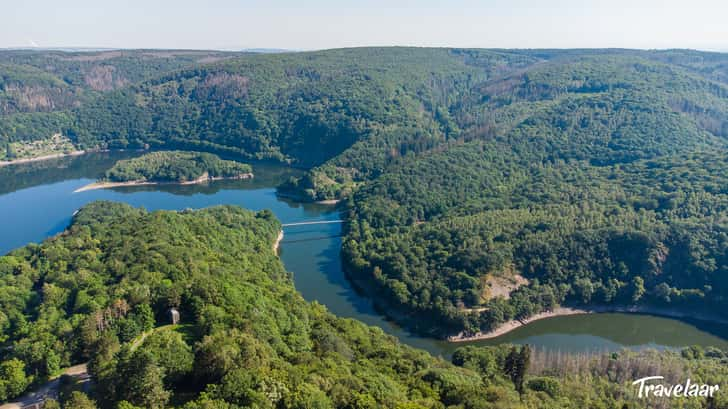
104, 78
223, 86
31, 98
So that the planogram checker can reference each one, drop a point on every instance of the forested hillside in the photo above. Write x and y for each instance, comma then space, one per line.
101, 291
580, 176
32, 81
39, 90
369, 106
599, 180
354, 112
304, 108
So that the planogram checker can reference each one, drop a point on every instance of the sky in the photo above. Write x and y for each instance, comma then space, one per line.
320, 24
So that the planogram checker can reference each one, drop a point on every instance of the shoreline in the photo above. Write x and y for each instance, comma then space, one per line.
201, 179
509, 326
41, 158
277, 243
63, 155
302, 199
402, 319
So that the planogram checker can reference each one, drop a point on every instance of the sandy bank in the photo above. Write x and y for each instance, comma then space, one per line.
201, 179
565, 311
277, 243
303, 199
40, 158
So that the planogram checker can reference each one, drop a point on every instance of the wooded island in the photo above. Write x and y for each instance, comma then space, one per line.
171, 167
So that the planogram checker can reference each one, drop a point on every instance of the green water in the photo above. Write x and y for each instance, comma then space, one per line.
37, 201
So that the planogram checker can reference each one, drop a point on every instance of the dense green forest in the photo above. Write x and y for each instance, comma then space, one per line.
587, 177
44, 81
649, 232
596, 176
599, 178
101, 291
39, 90
175, 166
303, 108
279, 106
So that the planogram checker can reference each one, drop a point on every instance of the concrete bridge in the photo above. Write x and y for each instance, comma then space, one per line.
312, 222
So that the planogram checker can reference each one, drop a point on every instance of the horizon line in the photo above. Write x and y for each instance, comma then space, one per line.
274, 50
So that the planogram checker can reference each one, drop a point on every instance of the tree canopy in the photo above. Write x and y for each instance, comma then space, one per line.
175, 166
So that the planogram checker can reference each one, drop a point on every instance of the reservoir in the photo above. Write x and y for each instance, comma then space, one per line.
37, 201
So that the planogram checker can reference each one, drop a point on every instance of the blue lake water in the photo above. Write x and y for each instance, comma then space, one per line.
37, 201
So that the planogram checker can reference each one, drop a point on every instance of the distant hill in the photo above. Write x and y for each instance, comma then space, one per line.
33, 80
271, 105
267, 50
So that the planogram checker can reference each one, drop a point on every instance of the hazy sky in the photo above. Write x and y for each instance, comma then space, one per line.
315, 24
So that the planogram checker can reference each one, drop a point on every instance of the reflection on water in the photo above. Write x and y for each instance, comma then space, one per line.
264, 176
609, 331
36, 201
316, 268
92, 165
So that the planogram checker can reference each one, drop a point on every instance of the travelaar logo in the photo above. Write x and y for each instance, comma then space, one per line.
648, 389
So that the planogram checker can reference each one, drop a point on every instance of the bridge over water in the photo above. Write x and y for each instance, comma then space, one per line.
311, 222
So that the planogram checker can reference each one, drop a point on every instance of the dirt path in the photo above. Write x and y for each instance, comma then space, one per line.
32, 400
48, 391
139, 340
